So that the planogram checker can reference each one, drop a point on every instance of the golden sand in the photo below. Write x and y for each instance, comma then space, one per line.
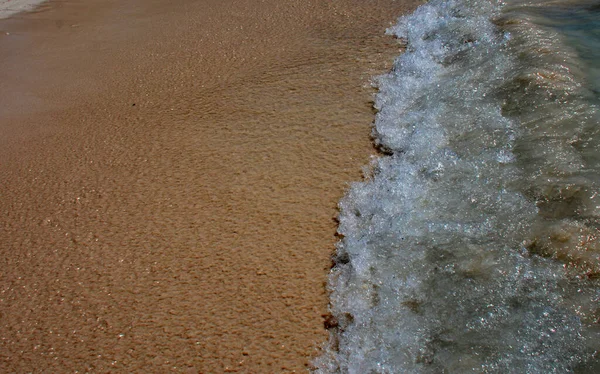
169, 173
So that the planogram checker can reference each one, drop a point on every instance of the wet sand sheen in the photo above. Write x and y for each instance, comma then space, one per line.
169, 172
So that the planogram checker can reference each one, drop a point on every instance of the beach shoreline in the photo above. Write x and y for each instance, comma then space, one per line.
170, 176
11, 7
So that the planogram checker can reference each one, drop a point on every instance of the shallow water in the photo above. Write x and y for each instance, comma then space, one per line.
472, 246
11, 7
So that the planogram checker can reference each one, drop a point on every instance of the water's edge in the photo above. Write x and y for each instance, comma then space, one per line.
473, 245
11, 7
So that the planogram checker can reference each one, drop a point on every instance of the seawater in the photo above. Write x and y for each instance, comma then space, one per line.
12, 7
473, 245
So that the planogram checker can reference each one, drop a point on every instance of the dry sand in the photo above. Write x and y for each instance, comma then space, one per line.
169, 173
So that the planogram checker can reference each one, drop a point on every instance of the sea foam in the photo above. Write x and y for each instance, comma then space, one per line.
472, 245
11, 7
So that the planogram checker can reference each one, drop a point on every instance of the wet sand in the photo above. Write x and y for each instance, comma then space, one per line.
169, 174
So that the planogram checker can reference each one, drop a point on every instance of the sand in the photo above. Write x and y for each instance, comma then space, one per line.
169, 174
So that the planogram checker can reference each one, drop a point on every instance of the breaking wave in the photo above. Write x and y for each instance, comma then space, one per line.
472, 245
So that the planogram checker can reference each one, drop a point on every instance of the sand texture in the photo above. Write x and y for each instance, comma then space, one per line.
169, 174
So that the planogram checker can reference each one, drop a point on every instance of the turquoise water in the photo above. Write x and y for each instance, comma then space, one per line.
579, 24
473, 244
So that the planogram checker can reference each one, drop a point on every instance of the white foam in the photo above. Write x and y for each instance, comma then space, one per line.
11, 7
434, 273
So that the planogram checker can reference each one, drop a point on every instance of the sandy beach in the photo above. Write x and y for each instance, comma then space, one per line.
169, 174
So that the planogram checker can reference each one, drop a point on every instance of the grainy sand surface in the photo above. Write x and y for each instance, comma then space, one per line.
169, 173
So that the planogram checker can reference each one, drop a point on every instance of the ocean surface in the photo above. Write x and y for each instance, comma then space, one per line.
473, 245
11, 7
